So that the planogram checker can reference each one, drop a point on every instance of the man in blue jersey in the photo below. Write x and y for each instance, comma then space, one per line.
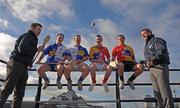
77, 56
55, 60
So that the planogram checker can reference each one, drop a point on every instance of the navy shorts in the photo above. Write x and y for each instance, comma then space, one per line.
52, 66
128, 66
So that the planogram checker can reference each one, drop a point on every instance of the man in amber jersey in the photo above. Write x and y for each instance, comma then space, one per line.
124, 55
100, 58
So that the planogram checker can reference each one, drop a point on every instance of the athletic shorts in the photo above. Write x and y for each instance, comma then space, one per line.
76, 66
128, 66
52, 67
100, 66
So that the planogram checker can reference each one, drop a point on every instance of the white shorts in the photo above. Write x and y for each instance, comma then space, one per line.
100, 66
76, 66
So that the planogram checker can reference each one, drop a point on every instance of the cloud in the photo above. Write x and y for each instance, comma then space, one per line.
4, 23
136, 10
35, 9
105, 27
167, 26
109, 30
6, 45
55, 28
160, 16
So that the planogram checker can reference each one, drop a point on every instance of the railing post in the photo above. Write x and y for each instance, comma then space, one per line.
38, 94
118, 103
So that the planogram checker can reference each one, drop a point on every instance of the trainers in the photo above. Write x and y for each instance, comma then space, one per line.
80, 87
121, 84
131, 85
59, 85
69, 85
91, 87
46, 82
106, 89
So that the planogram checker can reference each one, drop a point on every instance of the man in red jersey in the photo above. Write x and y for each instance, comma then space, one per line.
124, 55
100, 58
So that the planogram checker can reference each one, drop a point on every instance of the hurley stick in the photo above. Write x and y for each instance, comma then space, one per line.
2, 61
45, 41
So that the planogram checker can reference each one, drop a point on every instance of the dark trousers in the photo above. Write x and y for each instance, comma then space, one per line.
16, 78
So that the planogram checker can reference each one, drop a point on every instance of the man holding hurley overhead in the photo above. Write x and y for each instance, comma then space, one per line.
17, 67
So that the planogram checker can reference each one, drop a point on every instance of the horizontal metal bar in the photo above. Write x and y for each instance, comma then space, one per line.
2, 80
71, 102
148, 100
103, 101
114, 70
109, 84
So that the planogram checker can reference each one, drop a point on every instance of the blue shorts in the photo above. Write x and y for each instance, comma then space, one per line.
52, 66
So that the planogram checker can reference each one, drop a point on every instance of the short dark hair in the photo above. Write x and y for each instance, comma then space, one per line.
60, 34
33, 25
99, 36
147, 30
76, 36
121, 36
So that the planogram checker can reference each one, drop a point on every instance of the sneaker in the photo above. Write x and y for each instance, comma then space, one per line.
59, 85
121, 84
91, 87
106, 89
131, 85
69, 85
80, 87
46, 82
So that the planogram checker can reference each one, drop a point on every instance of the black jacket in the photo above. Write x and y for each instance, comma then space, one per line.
156, 50
25, 48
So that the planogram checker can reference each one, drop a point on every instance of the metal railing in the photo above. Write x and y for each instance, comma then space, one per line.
117, 100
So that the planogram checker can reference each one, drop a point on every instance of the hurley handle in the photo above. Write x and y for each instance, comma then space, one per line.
45, 41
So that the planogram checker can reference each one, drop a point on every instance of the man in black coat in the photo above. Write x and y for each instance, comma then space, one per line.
17, 67
157, 60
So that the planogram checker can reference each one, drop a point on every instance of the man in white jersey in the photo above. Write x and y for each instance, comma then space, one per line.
55, 60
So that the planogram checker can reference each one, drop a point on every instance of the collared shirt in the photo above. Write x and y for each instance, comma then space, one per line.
99, 53
77, 52
123, 53
55, 53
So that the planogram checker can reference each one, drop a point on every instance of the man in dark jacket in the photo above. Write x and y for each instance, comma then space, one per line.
157, 60
17, 67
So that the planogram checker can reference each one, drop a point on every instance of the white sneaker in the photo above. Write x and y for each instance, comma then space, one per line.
121, 84
69, 85
91, 87
59, 85
80, 87
106, 89
46, 84
131, 84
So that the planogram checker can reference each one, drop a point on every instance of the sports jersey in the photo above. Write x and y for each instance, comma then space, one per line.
77, 52
55, 53
123, 53
99, 53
